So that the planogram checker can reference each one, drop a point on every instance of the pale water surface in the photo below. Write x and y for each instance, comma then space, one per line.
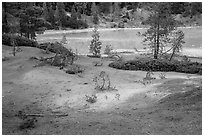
126, 39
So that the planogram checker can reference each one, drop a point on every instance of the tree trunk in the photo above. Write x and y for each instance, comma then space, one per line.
5, 17
157, 43
172, 54
14, 47
27, 35
155, 46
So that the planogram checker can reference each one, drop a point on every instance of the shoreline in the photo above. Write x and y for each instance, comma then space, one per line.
101, 29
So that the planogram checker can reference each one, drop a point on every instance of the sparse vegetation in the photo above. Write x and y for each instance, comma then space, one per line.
108, 50
117, 96
102, 82
91, 99
63, 57
162, 76
147, 79
81, 89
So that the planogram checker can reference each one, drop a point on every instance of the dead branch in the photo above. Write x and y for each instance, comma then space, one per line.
44, 115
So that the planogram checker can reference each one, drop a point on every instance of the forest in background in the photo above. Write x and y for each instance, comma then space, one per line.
26, 18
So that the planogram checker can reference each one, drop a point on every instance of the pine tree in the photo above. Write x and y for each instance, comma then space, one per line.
30, 21
94, 12
111, 8
60, 14
95, 46
161, 24
57, 15
5, 26
45, 12
81, 7
116, 10
73, 13
73, 22
51, 16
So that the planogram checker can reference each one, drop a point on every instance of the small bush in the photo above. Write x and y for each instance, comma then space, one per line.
108, 49
147, 64
20, 41
121, 25
91, 99
73, 69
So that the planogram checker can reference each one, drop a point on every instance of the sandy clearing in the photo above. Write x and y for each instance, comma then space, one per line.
58, 83
46, 90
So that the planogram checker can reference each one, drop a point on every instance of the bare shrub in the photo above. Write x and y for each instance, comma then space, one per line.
149, 75
91, 99
117, 96
108, 49
185, 59
102, 82
147, 79
162, 76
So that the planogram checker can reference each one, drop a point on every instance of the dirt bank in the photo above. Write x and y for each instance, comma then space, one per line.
57, 100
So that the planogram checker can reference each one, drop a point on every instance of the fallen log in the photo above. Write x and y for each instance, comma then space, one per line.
44, 115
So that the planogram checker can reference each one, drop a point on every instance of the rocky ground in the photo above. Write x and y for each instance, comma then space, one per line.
46, 100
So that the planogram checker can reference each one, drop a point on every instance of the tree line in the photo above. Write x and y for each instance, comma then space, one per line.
37, 16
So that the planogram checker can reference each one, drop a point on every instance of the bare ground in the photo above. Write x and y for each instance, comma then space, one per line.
57, 100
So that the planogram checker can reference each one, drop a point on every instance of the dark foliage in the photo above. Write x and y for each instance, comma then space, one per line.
20, 41
73, 69
121, 25
31, 21
159, 65
55, 48
32, 16
76, 24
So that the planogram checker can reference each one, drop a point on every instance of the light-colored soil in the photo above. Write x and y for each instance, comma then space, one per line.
49, 91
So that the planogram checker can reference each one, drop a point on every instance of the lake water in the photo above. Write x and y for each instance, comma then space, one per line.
120, 39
